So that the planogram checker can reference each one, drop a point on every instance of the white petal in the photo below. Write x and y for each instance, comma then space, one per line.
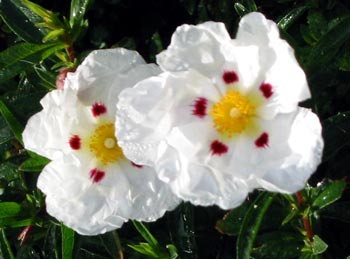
305, 141
276, 60
147, 112
47, 132
87, 207
104, 73
197, 47
150, 197
187, 164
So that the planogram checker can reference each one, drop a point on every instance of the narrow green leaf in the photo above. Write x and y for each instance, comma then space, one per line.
240, 9
5, 248
332, 192
146, 249
142, 229
319, 246
78, 9
76, 20
21, 20
251, 5
50, 19
11, 120
46, 76
14, 222
251, 224
9, 209
51, 247
183, 230
34, 164
18, 58
67, 242
287, 20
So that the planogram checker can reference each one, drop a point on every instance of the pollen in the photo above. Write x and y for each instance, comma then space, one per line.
233, 113
104, 146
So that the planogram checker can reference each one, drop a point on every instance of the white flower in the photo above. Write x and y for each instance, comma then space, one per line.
223, 119
90, 185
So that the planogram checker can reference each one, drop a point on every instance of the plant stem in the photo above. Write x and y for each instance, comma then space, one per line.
119, 245
7, 244
306, 220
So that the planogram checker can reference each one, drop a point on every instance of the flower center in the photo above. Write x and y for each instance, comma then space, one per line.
103, 144
233, 113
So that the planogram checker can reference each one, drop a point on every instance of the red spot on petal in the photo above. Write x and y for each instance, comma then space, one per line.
136, 165
218, 148
200, 107
98, 109
96, 175
230, 77
262, 141
266, 90
75, 142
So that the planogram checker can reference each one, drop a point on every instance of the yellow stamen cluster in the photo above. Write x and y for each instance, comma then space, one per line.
233, 113
103, 144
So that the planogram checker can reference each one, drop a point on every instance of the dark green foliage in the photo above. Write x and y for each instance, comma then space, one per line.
36, 40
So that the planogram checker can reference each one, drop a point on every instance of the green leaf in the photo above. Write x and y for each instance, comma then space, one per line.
146, 249
21, 20
14, 222
5, 248
317, 24
250, 4
142, 229
34, 164
319, 246
50, 247
18, 58
78, 9
12, 176
183, 230
111, 242
50, 19
240, 9
172, 251
5, 131
231, 223
287, 20
329, 44
279, 244
46, 76
67, 242
331, 192
12, 122
251, 224
9, 209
